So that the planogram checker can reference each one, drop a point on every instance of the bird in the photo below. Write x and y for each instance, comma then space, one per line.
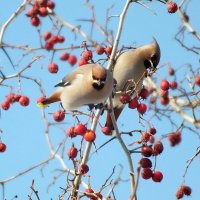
90, 84
129, 72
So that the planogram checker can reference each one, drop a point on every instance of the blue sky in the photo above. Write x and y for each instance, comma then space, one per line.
24, 128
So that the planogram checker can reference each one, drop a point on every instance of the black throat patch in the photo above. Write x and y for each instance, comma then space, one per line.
98, 87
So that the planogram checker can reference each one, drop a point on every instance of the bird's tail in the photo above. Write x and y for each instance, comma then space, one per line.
117, 112
53, 98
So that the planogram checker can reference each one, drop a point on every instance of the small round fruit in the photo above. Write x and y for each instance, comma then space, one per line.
49, 45
82, 61
145, 163
197, 80
60, 39
46, 35
89, 190
173, 85
171, 71
50, 4
164, 85
24, 101
11, 97
157, 176
174, 138
35, 21
146, 151
124, 98
157, 148
99, 49
146, 173
64, 56
53, 39
53, 68
133, 103
87, 54
106, 130
72, 152
172, 7
72, 60
145, 136
164, 101
5, 105
80, 129
70, 132
41, 99
152, 130
83, 169
187, 190
179, 193
17, 97
43, 12
2, 147
108, 50
142, 108
144, 93
89, 136
59, 116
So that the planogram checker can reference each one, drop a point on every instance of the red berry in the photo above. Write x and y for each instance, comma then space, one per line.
187, 190
43, 12
60, 39
157, 148
174, 138
24, 101
70, 132
83, 169
106, 130
99, 196
164, 100
35, 21
89, 136
49, 45
82, 61
172, 7
145, 136
142, 108
17, 97
2, 147
46, 35
53, 39
146, 173
99, 49
64, 56
50, 4
144, 93
72, 152
11, 97
87, 54
5, 105
146, 151
80, 129
32, 11
152, 100
157, 176
145, 163
171, 71
133, 103
108, 50
164, 85
59, 116
152, 131
197, 80
72, 60
173, 85
53, 68
124, 98
179, 193
164, 93
89, 190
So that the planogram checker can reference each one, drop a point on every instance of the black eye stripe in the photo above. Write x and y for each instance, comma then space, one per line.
147, 64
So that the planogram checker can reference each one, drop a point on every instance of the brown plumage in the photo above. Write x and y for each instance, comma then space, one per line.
131, 65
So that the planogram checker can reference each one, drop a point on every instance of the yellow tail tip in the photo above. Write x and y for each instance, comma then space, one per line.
40, 104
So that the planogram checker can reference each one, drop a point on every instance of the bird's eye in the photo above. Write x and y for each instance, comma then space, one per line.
147, 64
154, 60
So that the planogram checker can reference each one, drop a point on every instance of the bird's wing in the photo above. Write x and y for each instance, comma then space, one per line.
77, 73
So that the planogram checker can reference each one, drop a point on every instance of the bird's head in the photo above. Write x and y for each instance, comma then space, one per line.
151, 55
98, 77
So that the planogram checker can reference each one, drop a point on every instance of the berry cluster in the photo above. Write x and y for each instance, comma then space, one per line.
40, 8
12, 98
